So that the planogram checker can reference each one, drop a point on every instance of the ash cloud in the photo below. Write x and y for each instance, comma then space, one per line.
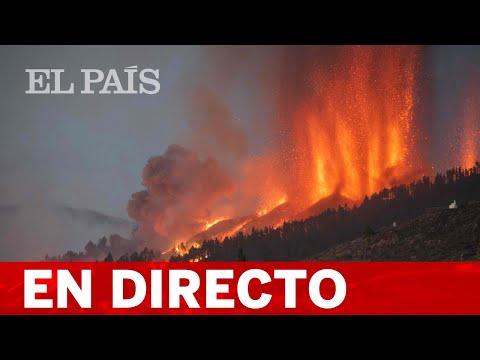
213, 127
181, 188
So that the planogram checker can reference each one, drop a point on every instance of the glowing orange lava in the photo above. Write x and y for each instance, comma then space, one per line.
354, 132
278, 224
270, 204
471, 131
262, 212
349, 133
209, 224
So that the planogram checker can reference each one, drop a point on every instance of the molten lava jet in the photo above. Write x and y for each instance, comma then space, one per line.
470, 121
354, 133
350, 131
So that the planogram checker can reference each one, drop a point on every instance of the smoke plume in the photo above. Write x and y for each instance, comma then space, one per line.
181, 189
213, 128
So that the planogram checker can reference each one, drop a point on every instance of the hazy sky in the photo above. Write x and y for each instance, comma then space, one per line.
89, 151
85, 151
453, 70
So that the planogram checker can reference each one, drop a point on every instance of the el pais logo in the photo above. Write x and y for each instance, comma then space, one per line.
94, 81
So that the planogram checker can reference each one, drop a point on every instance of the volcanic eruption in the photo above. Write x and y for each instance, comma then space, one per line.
345, 126
469, 121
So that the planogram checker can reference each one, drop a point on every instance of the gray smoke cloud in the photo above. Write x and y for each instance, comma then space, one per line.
213, 127
180, 190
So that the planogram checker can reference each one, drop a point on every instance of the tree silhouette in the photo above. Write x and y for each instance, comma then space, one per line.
124, 258
368, 232
241, 255
299, 239
102, 243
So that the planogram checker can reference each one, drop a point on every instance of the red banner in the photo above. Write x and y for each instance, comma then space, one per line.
276, 288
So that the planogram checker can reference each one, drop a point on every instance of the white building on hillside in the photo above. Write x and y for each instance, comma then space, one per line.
453, 205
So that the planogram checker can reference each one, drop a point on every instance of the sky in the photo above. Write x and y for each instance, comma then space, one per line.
451, 69
89, 151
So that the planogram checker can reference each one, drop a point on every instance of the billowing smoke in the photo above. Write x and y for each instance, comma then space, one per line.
213, 128
181, 189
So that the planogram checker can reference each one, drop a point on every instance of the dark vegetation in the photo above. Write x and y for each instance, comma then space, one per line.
304, 239
436, 235
298, 240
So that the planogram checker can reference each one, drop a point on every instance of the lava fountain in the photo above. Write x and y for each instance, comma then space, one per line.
353, 132
470, 125
348, 130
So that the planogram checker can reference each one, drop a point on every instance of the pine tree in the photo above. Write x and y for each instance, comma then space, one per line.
368, 232
241, 255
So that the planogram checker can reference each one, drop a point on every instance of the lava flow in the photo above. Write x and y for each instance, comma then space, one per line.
349, 132
209, 224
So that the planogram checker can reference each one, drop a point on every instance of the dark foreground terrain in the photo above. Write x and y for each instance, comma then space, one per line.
440, 234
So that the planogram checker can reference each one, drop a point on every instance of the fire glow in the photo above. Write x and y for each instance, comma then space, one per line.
469, 119
209, 224
357, 124
353, 129
264, 210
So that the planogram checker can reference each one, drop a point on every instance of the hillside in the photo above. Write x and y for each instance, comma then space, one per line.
275, 218
405, 204
436, 235
221, 229
92, 217
332, 202
29, 232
